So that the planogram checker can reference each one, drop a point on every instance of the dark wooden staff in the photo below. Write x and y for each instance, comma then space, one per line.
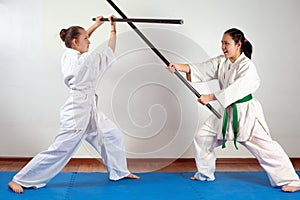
162, 57
142, 20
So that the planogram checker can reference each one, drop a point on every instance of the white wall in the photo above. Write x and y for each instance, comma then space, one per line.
157, 114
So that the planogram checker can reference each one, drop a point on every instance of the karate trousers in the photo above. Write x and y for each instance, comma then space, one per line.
268, 152
47, 164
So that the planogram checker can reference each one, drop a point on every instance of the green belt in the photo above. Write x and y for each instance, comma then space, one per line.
234, 120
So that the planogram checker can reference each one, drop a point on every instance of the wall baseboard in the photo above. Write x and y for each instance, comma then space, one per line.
145, 164
219, 160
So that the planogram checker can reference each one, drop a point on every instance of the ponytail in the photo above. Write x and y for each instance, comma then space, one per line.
238, 36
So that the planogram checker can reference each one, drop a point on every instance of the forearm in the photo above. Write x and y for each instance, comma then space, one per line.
184, 68
113, 34
112, 40
97, 23
92, 29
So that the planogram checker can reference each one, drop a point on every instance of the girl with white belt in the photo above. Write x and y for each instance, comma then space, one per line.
79, 119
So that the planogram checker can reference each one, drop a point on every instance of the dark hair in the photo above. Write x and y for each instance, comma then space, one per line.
67, 35
238, 36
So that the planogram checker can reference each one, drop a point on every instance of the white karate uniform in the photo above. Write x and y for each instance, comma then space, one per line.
237, 80
79, 121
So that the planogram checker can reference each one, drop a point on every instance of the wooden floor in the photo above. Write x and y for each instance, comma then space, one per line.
146, 165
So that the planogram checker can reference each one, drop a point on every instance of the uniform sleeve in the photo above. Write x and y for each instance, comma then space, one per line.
101, 60
106, 59
246, 82
206, 71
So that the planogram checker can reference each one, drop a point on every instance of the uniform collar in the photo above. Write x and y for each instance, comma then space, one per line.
73, 51
240, 57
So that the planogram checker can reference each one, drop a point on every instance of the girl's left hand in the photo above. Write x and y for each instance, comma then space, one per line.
206, 98
173, 67
113, 24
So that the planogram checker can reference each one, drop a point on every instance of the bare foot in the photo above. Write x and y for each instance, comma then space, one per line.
290, 189
132, 176
193, 178
15, 187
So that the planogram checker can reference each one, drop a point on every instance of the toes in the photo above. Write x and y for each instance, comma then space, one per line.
290, 189
15, 187
133, 176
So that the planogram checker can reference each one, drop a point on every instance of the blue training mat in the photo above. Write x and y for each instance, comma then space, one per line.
151, 185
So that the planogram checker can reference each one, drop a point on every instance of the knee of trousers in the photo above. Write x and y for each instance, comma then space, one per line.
115, 136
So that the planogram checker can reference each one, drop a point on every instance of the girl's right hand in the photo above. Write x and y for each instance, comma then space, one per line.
98, 21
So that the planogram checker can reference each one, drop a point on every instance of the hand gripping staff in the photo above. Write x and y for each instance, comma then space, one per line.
161, 56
